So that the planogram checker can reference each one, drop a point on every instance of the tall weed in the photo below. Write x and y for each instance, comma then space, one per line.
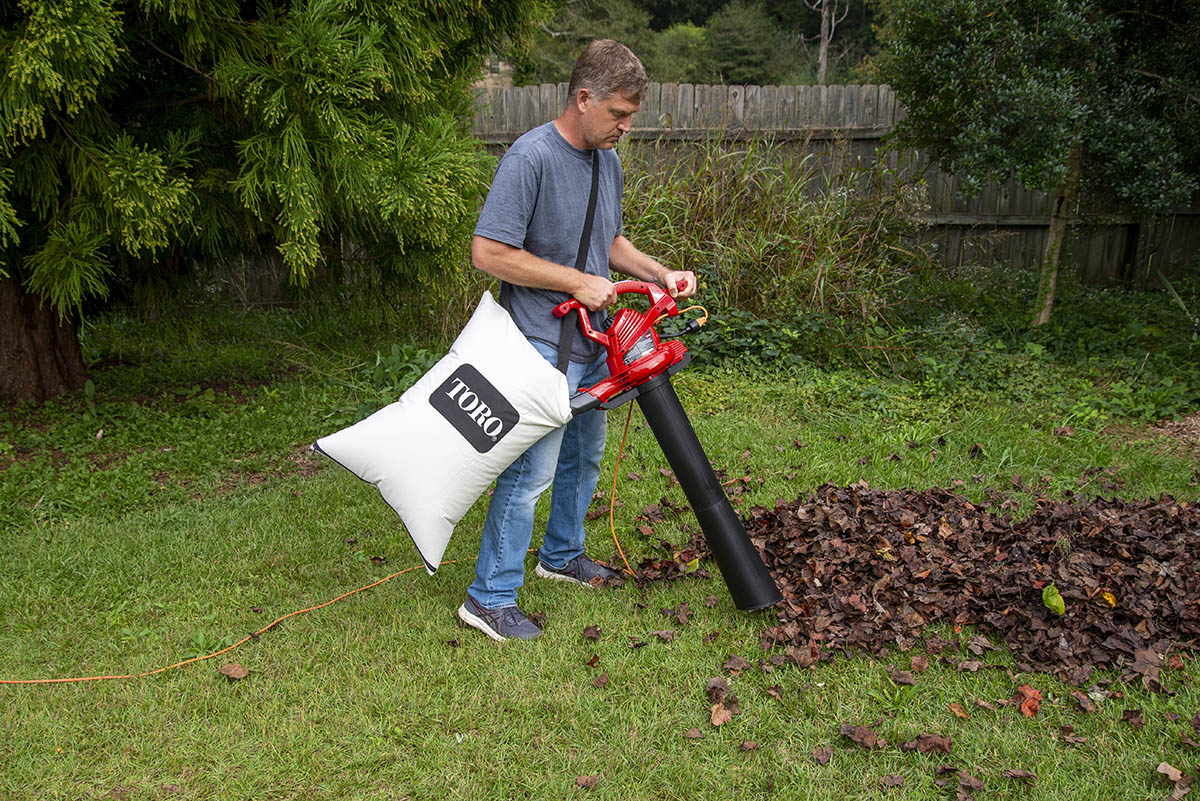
770, 227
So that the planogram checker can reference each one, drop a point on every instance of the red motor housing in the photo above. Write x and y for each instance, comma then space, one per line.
635, 353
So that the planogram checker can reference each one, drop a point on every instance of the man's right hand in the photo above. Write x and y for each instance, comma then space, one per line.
595, 291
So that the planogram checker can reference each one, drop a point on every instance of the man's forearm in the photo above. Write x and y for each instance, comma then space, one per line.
517, 266
626, 258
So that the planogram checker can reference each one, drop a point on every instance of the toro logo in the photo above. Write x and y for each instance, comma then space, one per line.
474, 407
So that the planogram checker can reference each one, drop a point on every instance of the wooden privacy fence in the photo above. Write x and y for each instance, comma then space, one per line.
1004, 224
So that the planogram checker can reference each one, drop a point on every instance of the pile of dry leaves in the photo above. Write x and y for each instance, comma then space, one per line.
1071, 588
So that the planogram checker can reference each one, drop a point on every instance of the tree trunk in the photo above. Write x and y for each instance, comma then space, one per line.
826, 35
1064, 202
39, 354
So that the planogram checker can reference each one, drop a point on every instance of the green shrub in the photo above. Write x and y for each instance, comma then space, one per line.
680, 54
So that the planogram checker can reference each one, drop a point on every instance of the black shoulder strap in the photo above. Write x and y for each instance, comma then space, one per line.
571, 321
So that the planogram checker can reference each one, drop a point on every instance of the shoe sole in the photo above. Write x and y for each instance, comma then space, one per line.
477, 622
550, 574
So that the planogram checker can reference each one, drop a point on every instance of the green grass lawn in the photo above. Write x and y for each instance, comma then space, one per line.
195, 518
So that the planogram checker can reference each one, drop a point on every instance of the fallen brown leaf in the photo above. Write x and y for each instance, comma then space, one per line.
1085, 703
968, 784
1028, 699
694, 734
1069, 736
892, 780
1023, 775
716, 689
1169, 772
1134, 718
735, 664
748, 745
864, 736
959, 711
720, 715
928, 744
587, 782
822, 754
233, 671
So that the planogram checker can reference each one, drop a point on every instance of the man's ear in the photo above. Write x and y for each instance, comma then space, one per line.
582, 96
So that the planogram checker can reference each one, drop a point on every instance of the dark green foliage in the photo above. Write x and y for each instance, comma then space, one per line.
681, 54
667, 13
740, 41
999, 88
555, 46
1109, 354
139, 137
743, 40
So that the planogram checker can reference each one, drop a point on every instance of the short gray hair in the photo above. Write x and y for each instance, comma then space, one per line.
606, 67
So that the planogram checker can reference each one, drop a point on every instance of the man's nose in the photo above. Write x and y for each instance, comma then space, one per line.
623, 125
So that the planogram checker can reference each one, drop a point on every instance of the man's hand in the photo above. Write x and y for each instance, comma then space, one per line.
672, 279
594, 291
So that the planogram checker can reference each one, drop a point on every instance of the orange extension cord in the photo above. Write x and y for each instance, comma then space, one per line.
243, 641
255, 635
277, 621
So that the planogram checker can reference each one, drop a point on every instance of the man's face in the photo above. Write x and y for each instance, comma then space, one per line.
605, 121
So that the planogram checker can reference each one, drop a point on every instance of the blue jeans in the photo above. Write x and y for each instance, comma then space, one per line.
569, 457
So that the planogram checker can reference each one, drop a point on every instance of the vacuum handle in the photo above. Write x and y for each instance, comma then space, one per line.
652, 291
659, 300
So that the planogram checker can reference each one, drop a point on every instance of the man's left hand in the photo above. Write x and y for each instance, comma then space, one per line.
673, 279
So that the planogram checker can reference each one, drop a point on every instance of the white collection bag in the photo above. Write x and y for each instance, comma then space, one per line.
434, 452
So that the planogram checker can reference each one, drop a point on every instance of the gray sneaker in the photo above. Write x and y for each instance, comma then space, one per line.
505, 623
580, 570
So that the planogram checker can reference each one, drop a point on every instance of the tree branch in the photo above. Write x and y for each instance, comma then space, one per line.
1165, 80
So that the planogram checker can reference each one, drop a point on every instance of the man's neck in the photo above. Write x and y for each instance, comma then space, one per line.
567, 124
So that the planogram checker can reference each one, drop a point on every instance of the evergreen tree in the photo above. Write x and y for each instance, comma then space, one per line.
743, 40
141, 135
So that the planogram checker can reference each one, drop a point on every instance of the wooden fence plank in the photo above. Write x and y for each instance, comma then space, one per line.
737, 107
685, 100
770, 108
667, 106
647, 114
752, 107
787, 107
548, 107
869, 108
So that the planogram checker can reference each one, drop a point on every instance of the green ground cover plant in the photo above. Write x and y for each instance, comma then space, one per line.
173, 508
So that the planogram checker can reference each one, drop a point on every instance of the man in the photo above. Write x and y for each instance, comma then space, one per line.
528, 236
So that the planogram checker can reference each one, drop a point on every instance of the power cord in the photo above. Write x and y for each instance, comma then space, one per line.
254, 635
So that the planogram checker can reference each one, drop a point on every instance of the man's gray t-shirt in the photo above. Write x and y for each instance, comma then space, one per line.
538, 202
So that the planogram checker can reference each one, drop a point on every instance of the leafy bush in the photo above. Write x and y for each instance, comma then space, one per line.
681, 55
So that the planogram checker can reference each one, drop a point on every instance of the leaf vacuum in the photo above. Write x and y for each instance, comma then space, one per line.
640, 366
